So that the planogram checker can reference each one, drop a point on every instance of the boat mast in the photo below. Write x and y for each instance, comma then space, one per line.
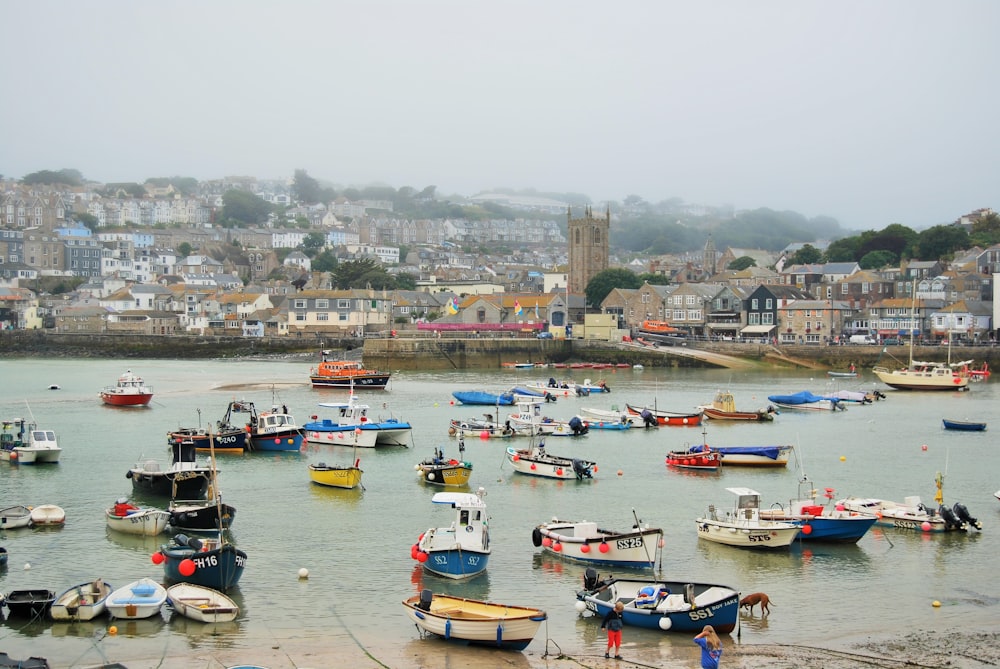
913, 318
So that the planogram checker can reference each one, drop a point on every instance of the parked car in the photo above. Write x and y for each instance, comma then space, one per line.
893, 341
544, 335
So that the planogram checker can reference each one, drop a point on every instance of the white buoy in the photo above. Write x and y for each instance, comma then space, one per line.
27, 566
303, 573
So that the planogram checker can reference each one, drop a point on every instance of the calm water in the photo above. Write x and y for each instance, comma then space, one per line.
356, 544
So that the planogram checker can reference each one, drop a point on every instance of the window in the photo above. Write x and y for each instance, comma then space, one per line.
692, 300
323, 316
753, 318
769, 303
678, 314
300, 304
323, 304
767, 318
755, 304
343, 304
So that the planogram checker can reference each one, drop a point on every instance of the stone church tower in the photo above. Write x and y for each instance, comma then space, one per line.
710, 258
588, 248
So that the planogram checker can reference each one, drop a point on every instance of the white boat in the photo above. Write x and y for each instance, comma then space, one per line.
139, 599
608, 416
47, 514
355, 417
462, 549
751, 456
535, 461
529, 419
471, 621
743, 527
584, 541
911, 514
13, 517
37, 446
806, 401
130, 519
85, 601
200, 603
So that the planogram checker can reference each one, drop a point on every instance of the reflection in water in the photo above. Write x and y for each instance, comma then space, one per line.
80, 628
477, 587
210, 635
146, 627
136, 542
433, 651
346, 498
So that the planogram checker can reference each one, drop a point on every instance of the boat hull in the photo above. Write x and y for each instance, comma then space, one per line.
47, 514
220, 568
477, 623
532, 463
754, 456
144, 522
667, 418
479, 398
335, 477
445, 474
280, 441
85, 601
704, 461
457, 564
141, 599
370, 381
200, 515
930, 380
13, 517
751, 416
202, 604
584, 542
963, 426
329, 433
179, 484
685, 608
33, 603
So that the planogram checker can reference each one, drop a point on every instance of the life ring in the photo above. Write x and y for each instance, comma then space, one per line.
469, 528
536, 537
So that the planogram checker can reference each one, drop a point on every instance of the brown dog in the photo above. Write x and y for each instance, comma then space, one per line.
755, 598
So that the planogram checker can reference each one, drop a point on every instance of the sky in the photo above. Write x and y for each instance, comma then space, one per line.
868, 112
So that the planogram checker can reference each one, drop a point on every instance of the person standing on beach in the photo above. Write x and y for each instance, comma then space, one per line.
711, 648
613, 623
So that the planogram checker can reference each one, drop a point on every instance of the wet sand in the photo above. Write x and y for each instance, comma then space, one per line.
966, 649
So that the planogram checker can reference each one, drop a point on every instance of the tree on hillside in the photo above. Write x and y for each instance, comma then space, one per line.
314, 241
362, 273
325, 261
986, 231
184, 249
742, 263
246, 208
654, 279
606, 281
941, 241
807, 255
878, 260
305, 189
66, 177
88, 220
843, 250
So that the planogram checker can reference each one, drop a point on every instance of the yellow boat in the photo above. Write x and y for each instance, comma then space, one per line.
440, 470
336, 476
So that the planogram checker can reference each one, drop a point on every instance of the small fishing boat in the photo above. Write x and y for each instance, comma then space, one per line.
669, 606
536, 461
30, 603
137, 600
130, 519
47, 514
211, 562
489, 426
806, 401
336, 476
607, 416
274, 430
743, 527
387, 431
474, 622
529, 419
911, 514
201, 515
483, 398
28, 445
13, 517
819, 522
697, 459
461, 550
85, 601
963, 425
440, 470
723, 407
583, 541
851, 373
751, 456
185, 478
346, 374
652, 417
202, 604
129, 391
227, 439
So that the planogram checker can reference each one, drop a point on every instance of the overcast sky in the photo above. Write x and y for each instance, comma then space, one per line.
869, 112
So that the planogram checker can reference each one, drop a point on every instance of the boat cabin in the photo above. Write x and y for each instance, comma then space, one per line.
471, 521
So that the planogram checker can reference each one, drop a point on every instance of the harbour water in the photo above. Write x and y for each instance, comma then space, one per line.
356, 543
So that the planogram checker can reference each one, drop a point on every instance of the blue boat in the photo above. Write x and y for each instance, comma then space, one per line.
963, 425
484, 398
818, 522
461, 550
668, 606
217, 564
273, 430
806, 401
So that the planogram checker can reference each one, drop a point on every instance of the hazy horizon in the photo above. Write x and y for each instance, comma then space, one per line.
870, 113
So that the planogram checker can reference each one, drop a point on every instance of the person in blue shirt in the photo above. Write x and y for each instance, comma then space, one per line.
613, 623
711, 647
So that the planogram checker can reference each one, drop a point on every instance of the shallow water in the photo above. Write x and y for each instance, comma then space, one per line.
356, 543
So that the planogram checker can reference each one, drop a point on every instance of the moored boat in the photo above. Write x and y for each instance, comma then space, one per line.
336, 476
47, 514
85, 601
461, 550
490, 427
912, 514
751, 456
130, 519
439, 470
201, 515
13, 517
346, 374
29, 603
129, 391
529, 418
697, 459
723, 407
536, 461
963, 425
474, 622
669, 606
743, 527
819, 522
583, 541
274, 430
484, 398
203, 604
807, 401
185, 478
211, 562
652, 417
139, 599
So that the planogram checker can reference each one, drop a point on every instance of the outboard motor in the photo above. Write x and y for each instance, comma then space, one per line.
951, 522
552, 383
648, 419
549, 397
590, 579
963, 515
578, 426
426, 596
581, 469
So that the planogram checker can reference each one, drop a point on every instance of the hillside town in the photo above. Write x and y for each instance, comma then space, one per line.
131, 276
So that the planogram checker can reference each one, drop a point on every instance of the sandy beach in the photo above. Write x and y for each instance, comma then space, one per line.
966, 649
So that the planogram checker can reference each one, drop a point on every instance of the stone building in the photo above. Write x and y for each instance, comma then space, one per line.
588, 248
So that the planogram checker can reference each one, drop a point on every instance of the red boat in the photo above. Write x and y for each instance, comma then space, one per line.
129, 391
709, 461
664, 417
